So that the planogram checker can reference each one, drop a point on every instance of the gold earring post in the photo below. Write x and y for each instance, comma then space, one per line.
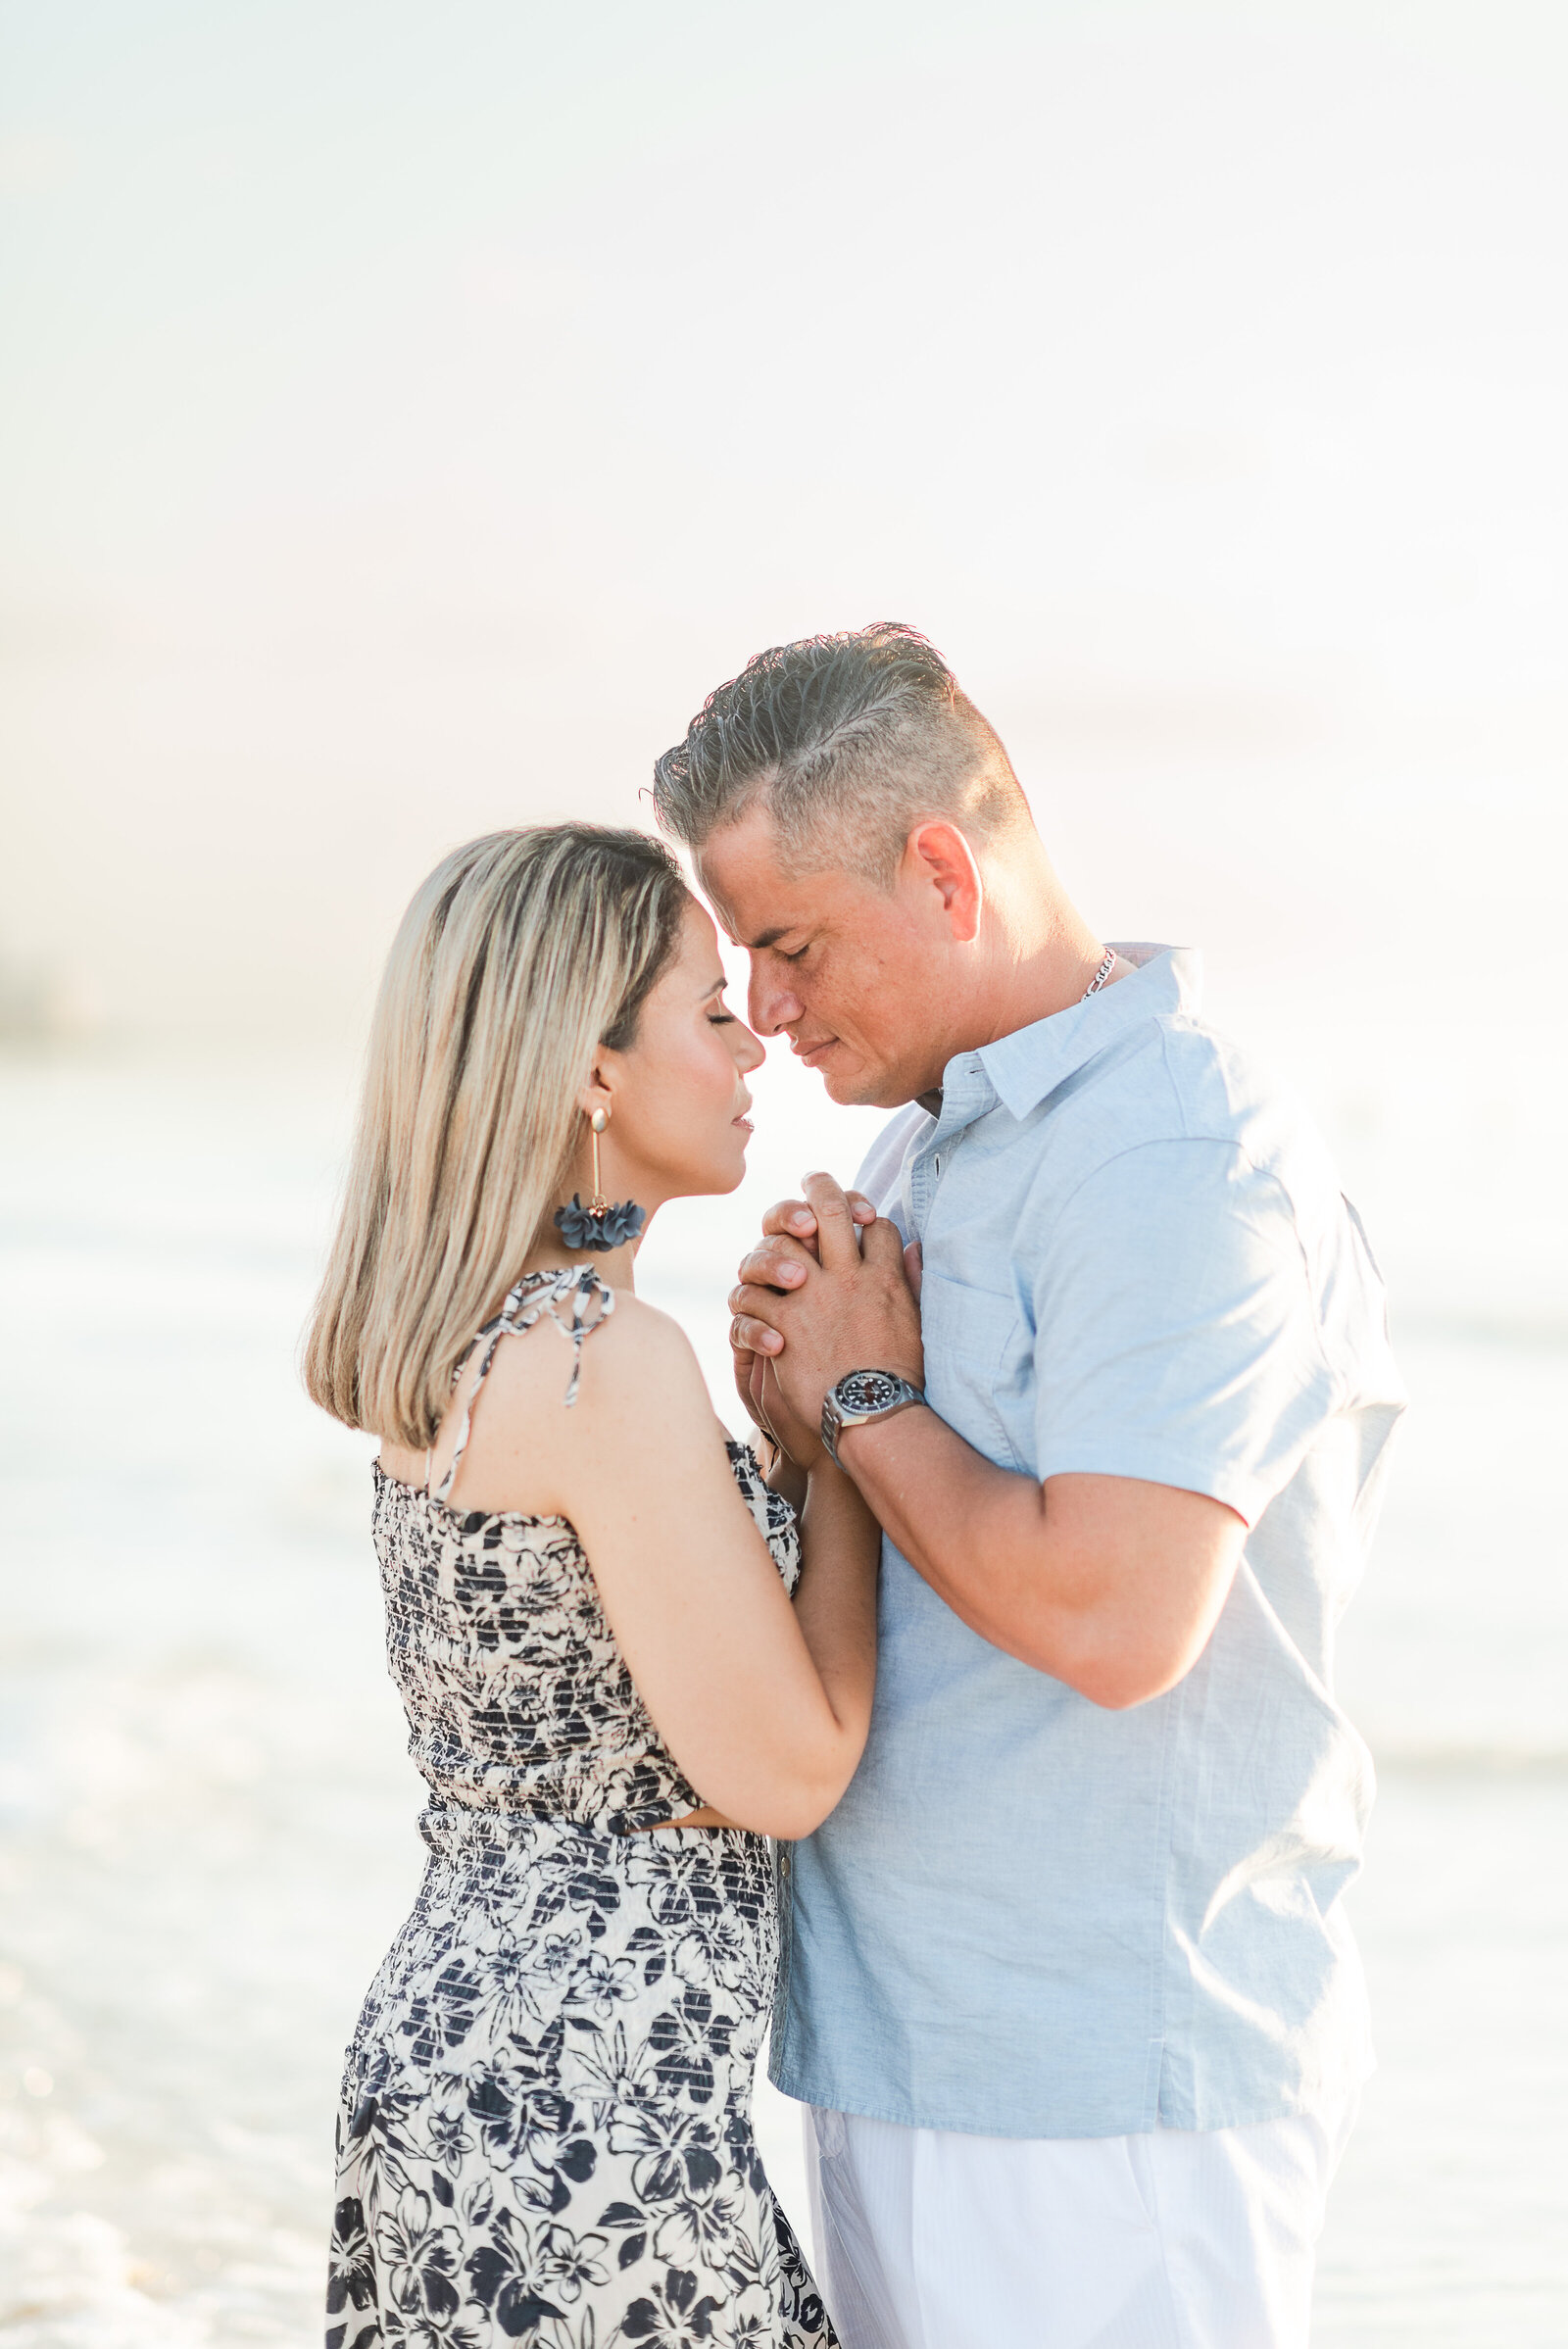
595, 1126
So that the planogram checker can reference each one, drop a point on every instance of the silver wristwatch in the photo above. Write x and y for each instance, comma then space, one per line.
863, 1394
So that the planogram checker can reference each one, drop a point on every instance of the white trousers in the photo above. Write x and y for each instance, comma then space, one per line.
1180, 2239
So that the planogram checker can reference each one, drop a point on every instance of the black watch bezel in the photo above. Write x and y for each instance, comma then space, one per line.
889, 1392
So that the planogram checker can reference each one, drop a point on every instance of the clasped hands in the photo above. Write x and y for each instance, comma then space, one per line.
830, 1288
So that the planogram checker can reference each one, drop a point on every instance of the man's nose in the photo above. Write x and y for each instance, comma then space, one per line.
769, 1006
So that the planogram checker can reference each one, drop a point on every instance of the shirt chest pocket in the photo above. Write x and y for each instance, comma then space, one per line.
972, 1336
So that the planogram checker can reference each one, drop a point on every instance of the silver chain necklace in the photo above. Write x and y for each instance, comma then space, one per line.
1100, 975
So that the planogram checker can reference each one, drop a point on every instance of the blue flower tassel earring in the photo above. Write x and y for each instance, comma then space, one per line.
599, 1226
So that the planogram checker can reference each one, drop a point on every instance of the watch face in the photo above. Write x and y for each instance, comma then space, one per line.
867, 1390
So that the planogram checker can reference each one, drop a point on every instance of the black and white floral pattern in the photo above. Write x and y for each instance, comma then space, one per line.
545, 2134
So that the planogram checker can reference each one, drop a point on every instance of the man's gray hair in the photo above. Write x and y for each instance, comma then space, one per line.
849, 741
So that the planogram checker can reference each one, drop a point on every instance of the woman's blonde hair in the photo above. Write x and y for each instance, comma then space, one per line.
520, 954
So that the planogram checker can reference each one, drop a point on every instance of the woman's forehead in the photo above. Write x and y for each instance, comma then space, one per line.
696, 958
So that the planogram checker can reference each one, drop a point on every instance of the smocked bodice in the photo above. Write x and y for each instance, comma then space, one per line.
517, 1694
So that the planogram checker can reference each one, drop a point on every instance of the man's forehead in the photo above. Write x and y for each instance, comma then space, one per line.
757, 900
756, 917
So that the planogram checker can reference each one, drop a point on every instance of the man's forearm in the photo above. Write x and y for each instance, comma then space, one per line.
974, 1532
1106, 1584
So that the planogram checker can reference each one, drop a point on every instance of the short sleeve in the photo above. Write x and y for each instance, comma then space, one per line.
1176, 1335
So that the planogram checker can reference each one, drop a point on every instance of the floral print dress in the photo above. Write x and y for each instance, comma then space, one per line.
545, 2134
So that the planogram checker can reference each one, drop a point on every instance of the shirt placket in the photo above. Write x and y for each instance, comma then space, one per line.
967, 1093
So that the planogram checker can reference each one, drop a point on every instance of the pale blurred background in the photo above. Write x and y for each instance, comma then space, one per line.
406, 415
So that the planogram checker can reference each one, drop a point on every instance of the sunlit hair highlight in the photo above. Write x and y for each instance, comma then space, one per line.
520, 956
849, 741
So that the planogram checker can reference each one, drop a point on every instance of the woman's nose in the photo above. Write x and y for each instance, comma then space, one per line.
750, 1051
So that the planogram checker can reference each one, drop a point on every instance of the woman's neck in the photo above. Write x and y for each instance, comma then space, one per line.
614, 1266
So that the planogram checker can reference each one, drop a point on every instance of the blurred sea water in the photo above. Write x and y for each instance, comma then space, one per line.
206, 1813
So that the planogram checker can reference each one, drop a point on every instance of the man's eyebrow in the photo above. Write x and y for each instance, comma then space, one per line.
756, 946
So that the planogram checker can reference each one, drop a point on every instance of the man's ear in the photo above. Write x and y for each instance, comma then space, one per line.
937, 857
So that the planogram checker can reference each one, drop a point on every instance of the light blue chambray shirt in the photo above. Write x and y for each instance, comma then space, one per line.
1030, 1917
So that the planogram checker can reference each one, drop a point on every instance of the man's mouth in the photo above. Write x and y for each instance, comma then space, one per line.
805, 1053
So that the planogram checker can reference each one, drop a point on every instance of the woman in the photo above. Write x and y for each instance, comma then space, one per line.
546, 2131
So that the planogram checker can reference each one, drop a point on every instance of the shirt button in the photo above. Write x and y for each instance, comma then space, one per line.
783, 1863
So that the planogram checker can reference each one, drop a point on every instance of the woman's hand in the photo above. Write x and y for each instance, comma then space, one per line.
764, 1398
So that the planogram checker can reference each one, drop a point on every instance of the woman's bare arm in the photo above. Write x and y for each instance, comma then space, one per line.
764, 1706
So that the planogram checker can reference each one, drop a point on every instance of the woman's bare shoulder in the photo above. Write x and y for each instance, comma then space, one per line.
638, 1334
637, 1374
640, 1365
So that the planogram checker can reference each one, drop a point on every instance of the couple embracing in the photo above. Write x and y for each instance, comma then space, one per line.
975, 1726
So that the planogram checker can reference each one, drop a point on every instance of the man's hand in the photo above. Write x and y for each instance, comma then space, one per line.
822, 1298
791, 1222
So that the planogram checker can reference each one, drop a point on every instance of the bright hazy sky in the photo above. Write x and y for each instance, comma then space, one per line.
410, 412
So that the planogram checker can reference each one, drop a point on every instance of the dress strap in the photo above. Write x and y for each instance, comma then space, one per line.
577, 1300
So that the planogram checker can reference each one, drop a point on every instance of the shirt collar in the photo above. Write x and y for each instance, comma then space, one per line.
1023, 1067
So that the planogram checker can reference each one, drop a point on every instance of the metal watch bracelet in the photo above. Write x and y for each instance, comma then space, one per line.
863, 1395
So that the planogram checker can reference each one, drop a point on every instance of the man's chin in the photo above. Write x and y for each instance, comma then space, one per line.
858, 1088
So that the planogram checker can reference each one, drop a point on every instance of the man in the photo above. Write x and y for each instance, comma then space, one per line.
1066, 1980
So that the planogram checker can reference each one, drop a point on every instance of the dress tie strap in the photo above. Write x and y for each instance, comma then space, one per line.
577, 1300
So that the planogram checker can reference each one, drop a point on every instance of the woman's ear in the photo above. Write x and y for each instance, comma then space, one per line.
596, 1094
